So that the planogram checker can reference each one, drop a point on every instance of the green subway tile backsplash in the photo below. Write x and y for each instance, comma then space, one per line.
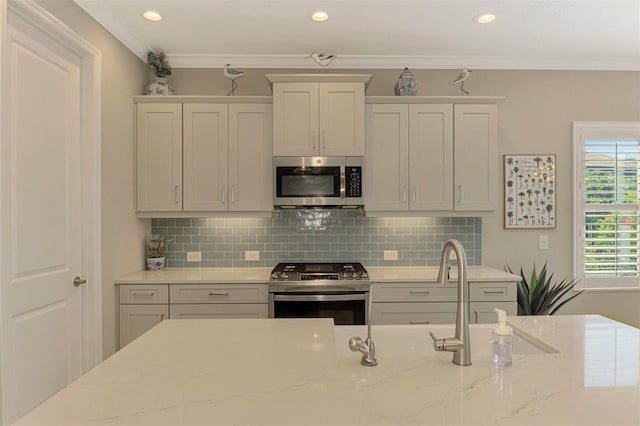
317, 235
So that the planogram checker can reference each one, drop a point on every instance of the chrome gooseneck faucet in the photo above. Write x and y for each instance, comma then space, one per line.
366, 347
460, 344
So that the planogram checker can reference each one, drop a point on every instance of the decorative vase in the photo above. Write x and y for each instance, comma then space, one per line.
406, 85
160, 87
155, 263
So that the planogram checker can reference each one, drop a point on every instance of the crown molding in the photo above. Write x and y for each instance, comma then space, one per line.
413, 62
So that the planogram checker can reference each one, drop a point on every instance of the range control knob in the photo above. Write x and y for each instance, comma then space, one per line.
274, 275
345, 275
354, 275
363, 274
284, 276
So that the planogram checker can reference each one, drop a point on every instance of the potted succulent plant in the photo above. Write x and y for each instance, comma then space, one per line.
539, 295
155, 253
161, 69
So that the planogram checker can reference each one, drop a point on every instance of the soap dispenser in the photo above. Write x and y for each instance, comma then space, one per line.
502, 339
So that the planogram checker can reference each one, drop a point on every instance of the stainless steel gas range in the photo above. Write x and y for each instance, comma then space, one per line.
320, 290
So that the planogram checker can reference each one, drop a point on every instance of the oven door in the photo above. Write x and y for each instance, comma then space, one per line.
346, 308
309, 181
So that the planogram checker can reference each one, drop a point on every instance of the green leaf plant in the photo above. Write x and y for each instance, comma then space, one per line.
540, 295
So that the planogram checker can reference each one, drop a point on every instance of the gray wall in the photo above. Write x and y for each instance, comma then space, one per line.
123, 75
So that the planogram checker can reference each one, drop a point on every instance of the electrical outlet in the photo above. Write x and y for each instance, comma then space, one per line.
543, 242
194, 256
251, 255
391, 255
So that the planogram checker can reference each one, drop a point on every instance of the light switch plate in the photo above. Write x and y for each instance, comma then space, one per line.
251, 255
543, 242
194, 256
391, 255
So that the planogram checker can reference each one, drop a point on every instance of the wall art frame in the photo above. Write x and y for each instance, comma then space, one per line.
530, 191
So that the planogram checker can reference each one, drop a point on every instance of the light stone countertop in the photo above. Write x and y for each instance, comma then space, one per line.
288, 372
378, 274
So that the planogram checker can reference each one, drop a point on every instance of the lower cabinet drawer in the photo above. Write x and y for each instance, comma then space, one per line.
143, 293
219, 310
499, 292
413, 293
483, 313
413, 313
219, 293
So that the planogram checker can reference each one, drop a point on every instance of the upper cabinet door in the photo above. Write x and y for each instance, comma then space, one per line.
159, 157
386, 174
206, 157
250, 157
295, 119
341, 119
476, 157
431, 156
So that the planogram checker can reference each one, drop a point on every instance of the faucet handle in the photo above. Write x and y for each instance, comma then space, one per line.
438, 344
355, 343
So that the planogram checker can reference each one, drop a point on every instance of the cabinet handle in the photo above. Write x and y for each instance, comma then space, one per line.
419, 322
493, 292
175, 194
143, 294
404, 194
219, 294
419, 292
413, 193
459, 193
222, 191
324, 140
161, 317
233, 193
313, 139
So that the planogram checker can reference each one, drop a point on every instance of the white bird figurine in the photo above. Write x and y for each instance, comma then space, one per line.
464, 74
323, 59
232, 75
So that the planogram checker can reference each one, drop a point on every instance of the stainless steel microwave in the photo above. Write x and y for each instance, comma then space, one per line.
318, 181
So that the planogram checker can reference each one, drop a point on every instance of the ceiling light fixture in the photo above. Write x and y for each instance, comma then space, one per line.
152, 16
485, 18
320, 16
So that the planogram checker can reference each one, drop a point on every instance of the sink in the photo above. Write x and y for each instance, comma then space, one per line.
414, 340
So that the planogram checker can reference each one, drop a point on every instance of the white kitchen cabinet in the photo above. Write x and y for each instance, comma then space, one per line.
227, 157
213, 311
431, 303
431, 157
159, 157
199, 157
312, 118
476, 157
141, 307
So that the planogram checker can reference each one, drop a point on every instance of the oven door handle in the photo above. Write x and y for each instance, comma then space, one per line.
318, 297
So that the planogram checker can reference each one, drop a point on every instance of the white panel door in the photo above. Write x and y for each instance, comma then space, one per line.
476, 157
387, 144
250, 157
341, 119
206, 157
43, 309
295, 119
431, 156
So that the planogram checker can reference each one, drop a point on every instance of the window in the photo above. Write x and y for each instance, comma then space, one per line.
606, 204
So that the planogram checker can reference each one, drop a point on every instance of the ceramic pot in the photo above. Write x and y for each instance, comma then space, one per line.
160, 87
155, 263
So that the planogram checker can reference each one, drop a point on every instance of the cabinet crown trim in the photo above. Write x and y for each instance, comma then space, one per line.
434, 99
203, 99
318, 78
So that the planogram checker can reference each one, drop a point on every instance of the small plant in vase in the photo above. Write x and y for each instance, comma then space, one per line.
155, 253
161, 70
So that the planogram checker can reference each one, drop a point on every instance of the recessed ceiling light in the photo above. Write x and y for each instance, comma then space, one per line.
152, 16
485, 18
320, 16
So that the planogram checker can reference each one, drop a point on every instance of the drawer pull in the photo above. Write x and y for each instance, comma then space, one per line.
493, 292
161, 317
419, 322
143, 294
419, 292
219, 294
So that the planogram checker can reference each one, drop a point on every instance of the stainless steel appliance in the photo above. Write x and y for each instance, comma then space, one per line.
320, 290
318, 181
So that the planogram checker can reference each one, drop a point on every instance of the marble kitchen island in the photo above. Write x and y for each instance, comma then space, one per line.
291, 372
